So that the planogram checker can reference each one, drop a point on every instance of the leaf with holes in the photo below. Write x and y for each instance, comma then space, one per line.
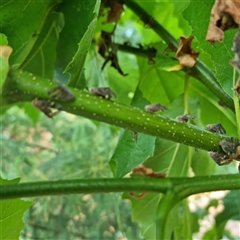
198, 16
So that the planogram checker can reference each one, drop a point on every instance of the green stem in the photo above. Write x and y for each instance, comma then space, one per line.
200, 71
182, 186
168, 201
185, 94
136, 51
236, 103
23, 86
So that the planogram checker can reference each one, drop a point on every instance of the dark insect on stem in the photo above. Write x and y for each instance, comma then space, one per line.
185, 118
229, 146
216, 128
220, 159
61, 93
155, 107
45, 107
104, 92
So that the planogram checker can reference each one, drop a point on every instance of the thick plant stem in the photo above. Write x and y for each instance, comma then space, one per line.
181, 187
23, 86
200, 71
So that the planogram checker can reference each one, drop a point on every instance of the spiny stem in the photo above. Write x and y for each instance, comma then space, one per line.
23, 86
182, 187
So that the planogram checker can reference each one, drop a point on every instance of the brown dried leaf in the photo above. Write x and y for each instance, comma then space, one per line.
114, 13
225, 15
186, 56
142, 170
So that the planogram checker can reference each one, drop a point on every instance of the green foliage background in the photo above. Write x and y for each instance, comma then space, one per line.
57, 43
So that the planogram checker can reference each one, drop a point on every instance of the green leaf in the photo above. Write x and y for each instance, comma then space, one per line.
3, 70
163, 13
32, 112
20, 22
198, 16
144, 212
158, 85
41, 59
210, 234
129, 154
73, 45
166, 63
231, 211
11, 213
179, 222
123, 85
3, 39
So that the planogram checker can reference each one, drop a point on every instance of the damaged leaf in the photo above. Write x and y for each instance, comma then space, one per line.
185, 54
148, 172
225, 15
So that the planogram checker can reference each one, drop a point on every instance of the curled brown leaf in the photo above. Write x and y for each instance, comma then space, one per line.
185, 54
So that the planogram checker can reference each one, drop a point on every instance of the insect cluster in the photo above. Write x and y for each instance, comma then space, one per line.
230, 147
59, 93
